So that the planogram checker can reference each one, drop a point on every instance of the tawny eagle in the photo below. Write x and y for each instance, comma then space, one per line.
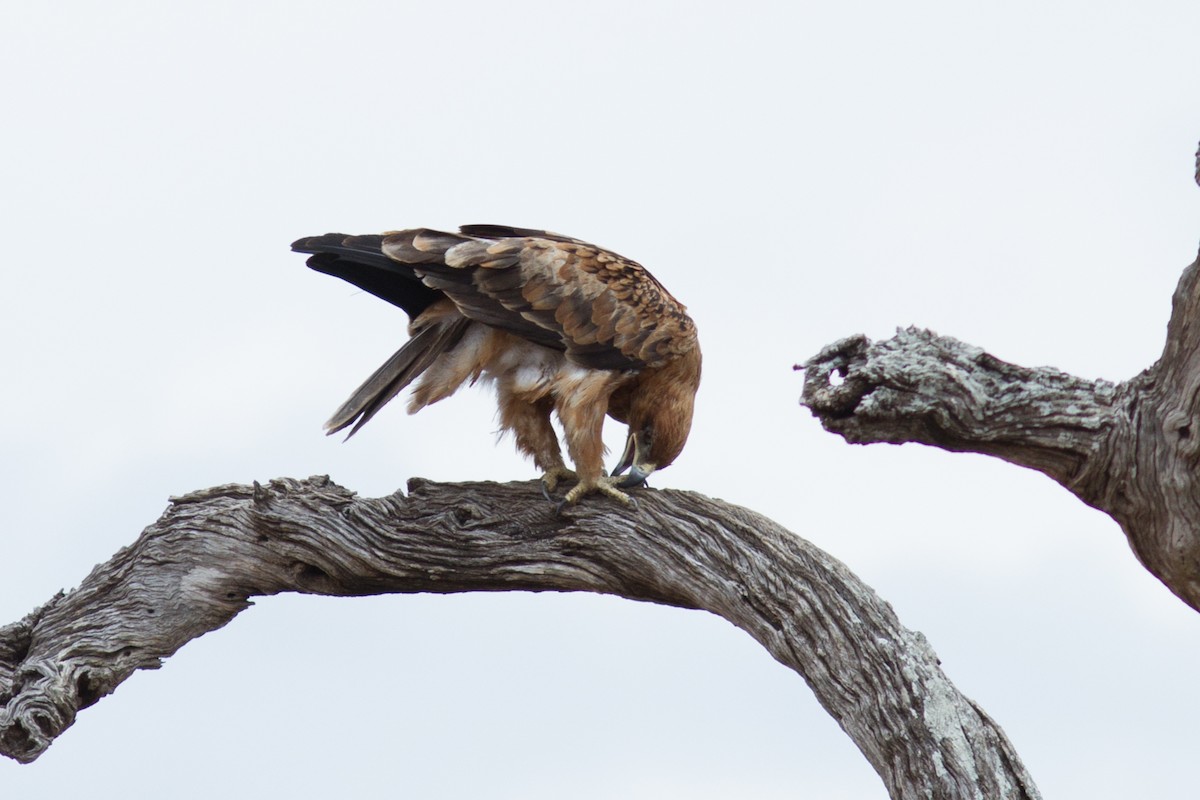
556, 323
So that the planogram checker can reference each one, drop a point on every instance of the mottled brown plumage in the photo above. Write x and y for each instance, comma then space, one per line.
556, 323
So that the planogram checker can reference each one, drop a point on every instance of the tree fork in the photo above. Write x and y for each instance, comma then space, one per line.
195, 569
1130, 449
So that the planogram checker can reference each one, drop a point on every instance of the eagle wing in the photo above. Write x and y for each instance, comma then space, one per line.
605, 311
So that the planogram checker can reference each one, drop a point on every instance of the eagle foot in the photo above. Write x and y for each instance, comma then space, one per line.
553, 475
604, 485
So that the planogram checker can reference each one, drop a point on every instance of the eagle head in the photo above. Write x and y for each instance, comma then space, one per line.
659, 419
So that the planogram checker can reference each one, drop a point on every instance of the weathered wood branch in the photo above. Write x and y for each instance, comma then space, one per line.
195, 568
1130, 449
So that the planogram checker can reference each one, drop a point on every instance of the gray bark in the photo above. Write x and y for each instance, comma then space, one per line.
1130, 449
196, 568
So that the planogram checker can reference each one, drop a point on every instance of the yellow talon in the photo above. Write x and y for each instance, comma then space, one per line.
555, 474
603, 485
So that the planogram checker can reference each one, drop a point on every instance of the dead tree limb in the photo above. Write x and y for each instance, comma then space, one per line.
196, 568
1130, 449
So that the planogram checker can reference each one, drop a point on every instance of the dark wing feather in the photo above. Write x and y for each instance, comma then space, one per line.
603, 310
509, 232
360, 260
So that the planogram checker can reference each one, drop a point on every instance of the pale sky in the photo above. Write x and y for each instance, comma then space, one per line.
1017, 175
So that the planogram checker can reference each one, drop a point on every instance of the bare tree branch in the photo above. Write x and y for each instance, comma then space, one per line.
1130, 449
195, 568
921, 387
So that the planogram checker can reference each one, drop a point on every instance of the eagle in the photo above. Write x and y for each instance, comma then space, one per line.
557, 325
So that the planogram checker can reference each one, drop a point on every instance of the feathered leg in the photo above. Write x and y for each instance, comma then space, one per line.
528, 418
582, 412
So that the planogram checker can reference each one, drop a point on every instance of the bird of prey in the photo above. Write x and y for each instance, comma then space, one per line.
557, 324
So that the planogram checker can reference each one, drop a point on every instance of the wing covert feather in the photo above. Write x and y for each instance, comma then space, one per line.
605, 311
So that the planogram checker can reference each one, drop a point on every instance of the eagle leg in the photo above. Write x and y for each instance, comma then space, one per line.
529, 420
581, 411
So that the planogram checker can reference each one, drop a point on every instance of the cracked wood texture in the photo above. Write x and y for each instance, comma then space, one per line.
196, 568
1130, 449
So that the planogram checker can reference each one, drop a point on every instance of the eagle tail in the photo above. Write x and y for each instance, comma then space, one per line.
405, 366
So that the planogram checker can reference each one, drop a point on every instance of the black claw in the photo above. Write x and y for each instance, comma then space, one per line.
546, 492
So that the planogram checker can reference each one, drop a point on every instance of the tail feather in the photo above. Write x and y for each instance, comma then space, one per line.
405, 366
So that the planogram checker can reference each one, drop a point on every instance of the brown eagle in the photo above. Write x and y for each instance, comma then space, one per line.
556, 323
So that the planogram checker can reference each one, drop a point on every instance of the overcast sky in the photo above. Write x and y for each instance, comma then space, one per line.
1017, 175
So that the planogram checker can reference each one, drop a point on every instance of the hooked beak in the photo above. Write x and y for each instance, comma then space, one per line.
633, 459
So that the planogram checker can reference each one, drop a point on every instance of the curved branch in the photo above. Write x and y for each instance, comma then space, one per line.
1131, 449
194, 570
